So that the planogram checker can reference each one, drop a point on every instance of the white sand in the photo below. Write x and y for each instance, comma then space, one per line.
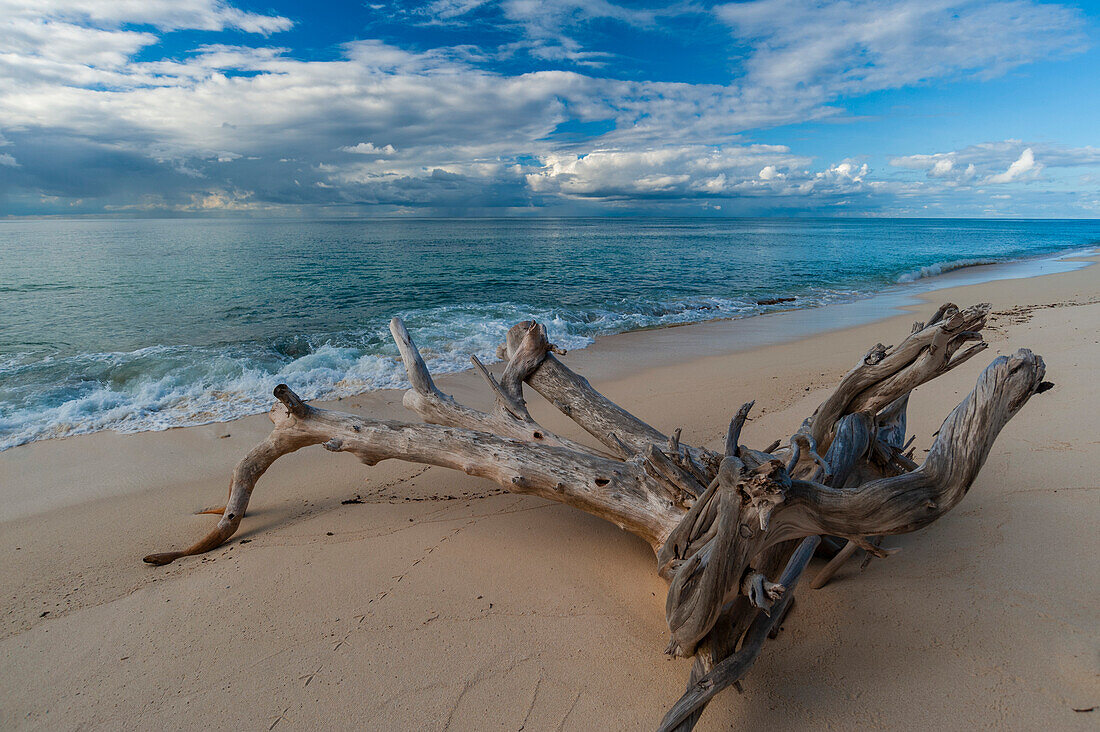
495, 611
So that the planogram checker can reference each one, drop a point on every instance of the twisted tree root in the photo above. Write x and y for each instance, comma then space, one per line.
720, 524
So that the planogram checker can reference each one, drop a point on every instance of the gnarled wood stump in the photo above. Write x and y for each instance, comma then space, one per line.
732, 531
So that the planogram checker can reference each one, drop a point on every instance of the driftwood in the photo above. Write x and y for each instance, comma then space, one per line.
733, 531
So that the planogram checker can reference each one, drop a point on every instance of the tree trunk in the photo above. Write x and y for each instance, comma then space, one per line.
720, 524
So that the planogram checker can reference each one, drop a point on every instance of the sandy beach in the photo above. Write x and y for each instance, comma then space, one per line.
438, 601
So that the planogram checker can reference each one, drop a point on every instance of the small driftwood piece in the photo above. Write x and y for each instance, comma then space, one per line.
732, 531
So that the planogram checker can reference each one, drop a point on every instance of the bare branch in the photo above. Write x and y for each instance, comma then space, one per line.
574, 396
619, 492
736, 666
882, 377
435, 407
733, 434
721, 525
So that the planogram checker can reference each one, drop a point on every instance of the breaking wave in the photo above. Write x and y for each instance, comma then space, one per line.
146, 325
940, 268
161, 387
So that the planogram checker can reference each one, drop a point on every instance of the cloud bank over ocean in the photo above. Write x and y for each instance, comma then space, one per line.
573, 107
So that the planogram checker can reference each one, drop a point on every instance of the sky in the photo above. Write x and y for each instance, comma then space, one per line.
952, 108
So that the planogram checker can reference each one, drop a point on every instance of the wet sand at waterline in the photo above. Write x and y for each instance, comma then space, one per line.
439, 601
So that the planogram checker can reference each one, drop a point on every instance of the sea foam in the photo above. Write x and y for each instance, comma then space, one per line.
940, 268
161, 387
137, 325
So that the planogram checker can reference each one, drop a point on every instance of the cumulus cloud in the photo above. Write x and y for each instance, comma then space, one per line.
995, 163
693, 171
369, 148
1024, 165
847, 170
943, 166
221, 201
94, 113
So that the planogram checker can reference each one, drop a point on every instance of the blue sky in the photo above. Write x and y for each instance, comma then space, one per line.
563, 107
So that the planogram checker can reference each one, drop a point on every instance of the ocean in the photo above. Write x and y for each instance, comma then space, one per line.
137, 325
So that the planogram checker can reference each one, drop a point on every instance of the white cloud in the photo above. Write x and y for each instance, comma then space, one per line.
368, 148
769, 172
550, 27
222, 201
30, 42
717, 184
210, 15
82, 43
692, 171
941, 168
847, 170
993, 163
69, 80
1022, 166
860, 46
9, 160
447, 9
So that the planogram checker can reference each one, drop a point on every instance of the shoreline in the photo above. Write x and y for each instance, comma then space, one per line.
610, 357
443, 598
790, 323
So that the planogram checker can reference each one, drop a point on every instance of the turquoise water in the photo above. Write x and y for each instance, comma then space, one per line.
149, 324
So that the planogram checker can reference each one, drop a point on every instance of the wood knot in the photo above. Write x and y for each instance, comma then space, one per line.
876, 354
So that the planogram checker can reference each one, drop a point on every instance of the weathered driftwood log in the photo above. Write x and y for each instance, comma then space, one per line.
722, 524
